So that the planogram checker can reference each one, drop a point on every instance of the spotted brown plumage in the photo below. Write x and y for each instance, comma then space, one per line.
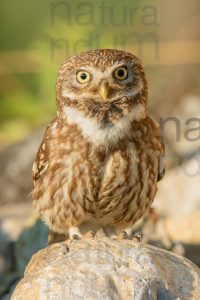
100, 159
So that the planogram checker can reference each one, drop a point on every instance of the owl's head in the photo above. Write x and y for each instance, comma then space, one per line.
103, 92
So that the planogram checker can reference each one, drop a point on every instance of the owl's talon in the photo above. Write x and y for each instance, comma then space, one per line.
123, 235
91, 234
137, 237
75, 237
74, 234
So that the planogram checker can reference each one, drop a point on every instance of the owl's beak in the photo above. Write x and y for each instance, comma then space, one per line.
103, 91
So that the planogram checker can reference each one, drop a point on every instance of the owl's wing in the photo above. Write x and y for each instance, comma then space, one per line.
41, 163
161, 147
161, 167
161, 162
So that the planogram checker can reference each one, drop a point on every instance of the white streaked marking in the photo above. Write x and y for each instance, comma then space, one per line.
110, 134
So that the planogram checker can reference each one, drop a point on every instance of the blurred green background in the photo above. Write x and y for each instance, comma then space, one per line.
36, 37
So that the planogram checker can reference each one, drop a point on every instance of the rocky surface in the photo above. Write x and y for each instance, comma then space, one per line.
107, 269
14, 255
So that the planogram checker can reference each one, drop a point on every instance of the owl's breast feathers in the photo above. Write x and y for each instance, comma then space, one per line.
75, 180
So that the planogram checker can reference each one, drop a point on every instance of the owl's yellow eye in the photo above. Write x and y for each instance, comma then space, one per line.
83, 76
121, 73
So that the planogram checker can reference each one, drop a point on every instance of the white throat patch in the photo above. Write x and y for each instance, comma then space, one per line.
109, 134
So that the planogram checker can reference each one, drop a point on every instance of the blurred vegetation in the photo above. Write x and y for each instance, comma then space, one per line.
36, 36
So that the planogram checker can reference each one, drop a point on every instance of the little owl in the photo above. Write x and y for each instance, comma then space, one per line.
101, 157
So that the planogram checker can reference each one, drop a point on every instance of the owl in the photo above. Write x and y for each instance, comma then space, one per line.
98, 165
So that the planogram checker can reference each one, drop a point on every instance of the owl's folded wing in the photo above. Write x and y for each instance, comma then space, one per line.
41, 163
155, 132
40, 166
161, 163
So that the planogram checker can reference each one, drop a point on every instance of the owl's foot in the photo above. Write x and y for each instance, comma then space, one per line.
137, 237
123, 235
91, 234
74, 233
126, 234
75, 237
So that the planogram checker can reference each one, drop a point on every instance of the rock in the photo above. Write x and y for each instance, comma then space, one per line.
178, 193
184, 228
14, 255
7, 272
16, 164
179, 234
14, 218
30, 241
108, 269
